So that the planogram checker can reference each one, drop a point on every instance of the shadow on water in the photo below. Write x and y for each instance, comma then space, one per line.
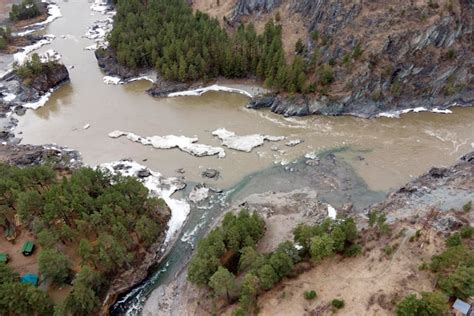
329, 174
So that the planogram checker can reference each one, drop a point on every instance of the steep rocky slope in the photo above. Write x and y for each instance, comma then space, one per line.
385, 55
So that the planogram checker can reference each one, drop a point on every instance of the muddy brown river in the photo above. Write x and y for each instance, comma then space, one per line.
385, 152
392, 150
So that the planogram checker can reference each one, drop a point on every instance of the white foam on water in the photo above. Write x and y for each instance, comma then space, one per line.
396, 114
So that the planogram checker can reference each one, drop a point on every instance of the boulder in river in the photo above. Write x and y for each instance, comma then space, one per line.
210, 173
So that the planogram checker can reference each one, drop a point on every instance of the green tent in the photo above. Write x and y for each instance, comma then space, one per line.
3, 257
28, 248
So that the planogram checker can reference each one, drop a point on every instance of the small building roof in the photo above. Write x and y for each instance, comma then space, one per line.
3, 257
461, 306
30, 278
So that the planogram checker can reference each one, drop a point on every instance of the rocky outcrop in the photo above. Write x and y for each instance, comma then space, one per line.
248, 7
162, 88
301, 105
433, 195
16, 92
30, 155
108, 62
31, 89
386, 56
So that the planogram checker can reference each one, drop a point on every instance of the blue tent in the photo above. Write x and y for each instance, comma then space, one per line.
30, 278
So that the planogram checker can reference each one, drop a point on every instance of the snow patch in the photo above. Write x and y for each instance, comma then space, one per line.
9, 97
50, 55
184, 143
99, 30
112, 80
141, 78
118, 81
198, 194
158, 186
100, 6
243, 143
22, 56
41, 102
332, 213
201, 91
91, 47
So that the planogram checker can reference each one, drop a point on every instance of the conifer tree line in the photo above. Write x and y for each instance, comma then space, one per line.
105, 221
184, 46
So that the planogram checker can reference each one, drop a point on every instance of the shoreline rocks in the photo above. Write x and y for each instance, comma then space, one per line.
438, 190
304, 105
31, 155
111, 67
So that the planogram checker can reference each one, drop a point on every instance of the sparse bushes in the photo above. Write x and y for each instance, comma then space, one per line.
310, 295
326, 75
433, 4
299, 47
455, 268
396, 88
454, 240
377, 95
378, 220
228, 253
466, 232
5, 36
337, 303
430, 304
451, 54
357, 52
388, 250
467, 207
33, 67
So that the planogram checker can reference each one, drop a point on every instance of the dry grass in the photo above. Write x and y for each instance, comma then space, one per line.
370, 284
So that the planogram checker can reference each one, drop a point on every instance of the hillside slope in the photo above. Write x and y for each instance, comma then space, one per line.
385, 55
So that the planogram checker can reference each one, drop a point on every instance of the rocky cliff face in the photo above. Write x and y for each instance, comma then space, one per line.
250, 7
385, 55
108, 63
32, 89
